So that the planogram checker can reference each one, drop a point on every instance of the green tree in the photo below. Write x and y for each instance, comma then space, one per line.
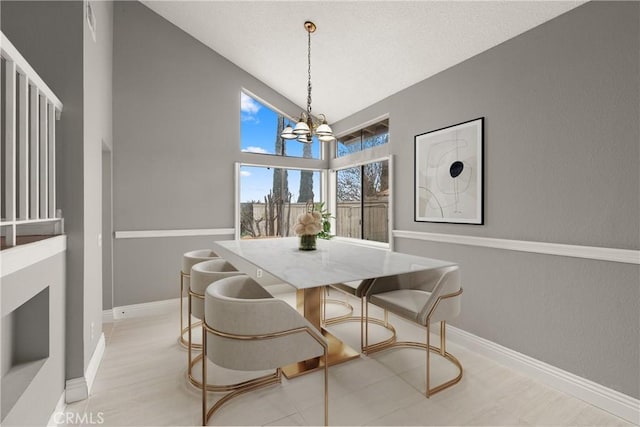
305, 192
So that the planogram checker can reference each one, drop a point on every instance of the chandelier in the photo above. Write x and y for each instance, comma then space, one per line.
307, 126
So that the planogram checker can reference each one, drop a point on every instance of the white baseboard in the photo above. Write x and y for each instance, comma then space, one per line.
142, 310
94, 363
76, 389
612, 401
60, 407
107, 316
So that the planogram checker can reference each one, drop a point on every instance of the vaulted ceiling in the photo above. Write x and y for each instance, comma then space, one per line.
362, 51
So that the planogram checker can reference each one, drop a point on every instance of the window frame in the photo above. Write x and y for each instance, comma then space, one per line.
237, 169
322, 152
333, 201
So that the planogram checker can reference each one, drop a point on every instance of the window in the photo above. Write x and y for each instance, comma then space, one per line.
272, 198
362, 139
362, 202
260, 129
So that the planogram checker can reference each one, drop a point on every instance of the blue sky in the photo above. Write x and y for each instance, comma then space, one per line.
258, 125
256, 182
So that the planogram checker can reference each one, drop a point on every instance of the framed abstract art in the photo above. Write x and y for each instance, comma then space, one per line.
449, 174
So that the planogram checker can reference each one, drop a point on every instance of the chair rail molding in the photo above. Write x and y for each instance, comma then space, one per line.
626, 256
142, 234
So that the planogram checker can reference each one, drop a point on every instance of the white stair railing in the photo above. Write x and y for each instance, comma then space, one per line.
27, 159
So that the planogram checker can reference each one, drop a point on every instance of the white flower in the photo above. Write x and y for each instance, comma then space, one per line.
298, 228
311, 229
308, 223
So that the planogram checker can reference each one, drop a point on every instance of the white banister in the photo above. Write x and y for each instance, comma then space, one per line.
29, 114
44, 153
34, 147
23, 148
23, 67
10, 150
51, 161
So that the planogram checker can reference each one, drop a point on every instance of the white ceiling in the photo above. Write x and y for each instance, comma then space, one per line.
363, 51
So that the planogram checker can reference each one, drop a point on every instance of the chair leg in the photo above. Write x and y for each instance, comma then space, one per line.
189, 337
180, 339
428, 382
365, 350
443, 339
443, 352
326, 388
204, 376
362, 319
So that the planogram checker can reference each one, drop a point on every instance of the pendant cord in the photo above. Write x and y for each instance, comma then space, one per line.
309, 75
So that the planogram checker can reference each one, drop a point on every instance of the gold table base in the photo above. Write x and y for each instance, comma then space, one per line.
308, 302
338, 352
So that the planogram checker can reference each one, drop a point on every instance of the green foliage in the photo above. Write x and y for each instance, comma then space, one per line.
326, 224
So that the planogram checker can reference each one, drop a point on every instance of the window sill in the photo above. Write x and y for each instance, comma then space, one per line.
362, 242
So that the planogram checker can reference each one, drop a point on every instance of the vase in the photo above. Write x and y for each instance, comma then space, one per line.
307, 242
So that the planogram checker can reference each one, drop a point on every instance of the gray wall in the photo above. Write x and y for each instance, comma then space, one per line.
53, 36
561, 107
38, 401
98, 64
49, 36
176, 116
107, 229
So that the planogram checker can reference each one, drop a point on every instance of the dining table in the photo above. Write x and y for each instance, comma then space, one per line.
279, 260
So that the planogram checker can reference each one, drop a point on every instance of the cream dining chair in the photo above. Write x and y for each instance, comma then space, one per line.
246, 329
189, 259
424, 297
358, 289
202, 275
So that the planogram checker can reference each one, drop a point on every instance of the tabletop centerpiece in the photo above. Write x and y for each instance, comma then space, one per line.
309, 224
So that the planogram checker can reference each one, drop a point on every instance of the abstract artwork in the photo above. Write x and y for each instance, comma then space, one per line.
448, 174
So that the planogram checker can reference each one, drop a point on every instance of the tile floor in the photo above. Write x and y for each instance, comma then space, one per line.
141, 382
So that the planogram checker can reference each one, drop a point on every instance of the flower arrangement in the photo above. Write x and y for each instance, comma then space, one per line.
308, 223
307, 227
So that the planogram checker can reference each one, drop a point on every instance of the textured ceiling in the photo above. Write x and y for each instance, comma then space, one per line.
362, 51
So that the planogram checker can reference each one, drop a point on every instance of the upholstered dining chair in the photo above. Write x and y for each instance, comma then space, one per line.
246, 329
202, 275
189, 259
358, 289
424, 297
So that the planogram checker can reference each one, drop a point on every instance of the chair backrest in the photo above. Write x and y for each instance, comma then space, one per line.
445, 300
204, 274
254, 331
189, 259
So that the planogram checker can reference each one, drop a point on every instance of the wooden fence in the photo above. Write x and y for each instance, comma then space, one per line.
348, 218
375, 220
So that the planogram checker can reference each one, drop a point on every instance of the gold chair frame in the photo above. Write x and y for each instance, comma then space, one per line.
259, 382
442, 351
184, 329
199, 357
350, 318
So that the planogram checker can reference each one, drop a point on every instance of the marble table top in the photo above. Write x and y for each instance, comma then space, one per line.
332, 262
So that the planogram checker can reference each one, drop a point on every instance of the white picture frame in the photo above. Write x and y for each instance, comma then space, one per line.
448, 174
